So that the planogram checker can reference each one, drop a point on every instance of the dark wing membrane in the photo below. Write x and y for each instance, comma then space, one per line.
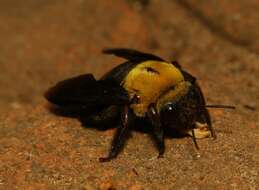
176, 64
187, 76
132, 55
134, 58
84, 91
119, 72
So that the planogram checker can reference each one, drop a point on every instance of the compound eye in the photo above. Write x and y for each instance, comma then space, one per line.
170, 107
169, 114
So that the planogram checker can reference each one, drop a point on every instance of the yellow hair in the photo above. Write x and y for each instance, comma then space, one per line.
148, 80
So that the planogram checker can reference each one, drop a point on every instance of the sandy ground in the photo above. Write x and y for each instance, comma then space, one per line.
45, 41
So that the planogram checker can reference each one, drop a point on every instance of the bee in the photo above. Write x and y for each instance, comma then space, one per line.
145, 86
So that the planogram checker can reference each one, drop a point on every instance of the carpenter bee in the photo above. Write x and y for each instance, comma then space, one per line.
145, 86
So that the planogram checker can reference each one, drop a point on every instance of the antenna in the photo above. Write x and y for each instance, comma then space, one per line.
220, 106
215, 106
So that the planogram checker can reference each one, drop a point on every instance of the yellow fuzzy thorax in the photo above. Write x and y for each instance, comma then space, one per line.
176, 93
149, 80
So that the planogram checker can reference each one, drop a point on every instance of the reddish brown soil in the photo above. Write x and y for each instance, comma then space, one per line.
45, 41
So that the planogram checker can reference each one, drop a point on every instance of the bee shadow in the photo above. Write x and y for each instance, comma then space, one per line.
141, 125
82, 117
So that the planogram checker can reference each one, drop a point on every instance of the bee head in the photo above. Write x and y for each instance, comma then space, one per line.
180, 107
181, 110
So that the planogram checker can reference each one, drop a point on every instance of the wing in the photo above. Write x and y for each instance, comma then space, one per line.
84, 92
134, 57
187, 76
118, 73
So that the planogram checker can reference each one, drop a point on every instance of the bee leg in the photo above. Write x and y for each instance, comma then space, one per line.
121, 134
158, 131
194, 140
201, 130
205, 118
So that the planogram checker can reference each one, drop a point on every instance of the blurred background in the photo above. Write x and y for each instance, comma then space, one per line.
44, 41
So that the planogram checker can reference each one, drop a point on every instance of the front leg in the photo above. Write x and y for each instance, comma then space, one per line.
158, 131
194, 140
121, 134
204, 117
208, 121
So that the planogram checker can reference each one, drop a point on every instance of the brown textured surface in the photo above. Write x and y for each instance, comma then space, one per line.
46, 41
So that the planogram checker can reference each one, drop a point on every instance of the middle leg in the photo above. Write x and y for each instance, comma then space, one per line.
121, 135
158, 130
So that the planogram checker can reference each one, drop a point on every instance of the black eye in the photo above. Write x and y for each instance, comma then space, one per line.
169, 114
170, 107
